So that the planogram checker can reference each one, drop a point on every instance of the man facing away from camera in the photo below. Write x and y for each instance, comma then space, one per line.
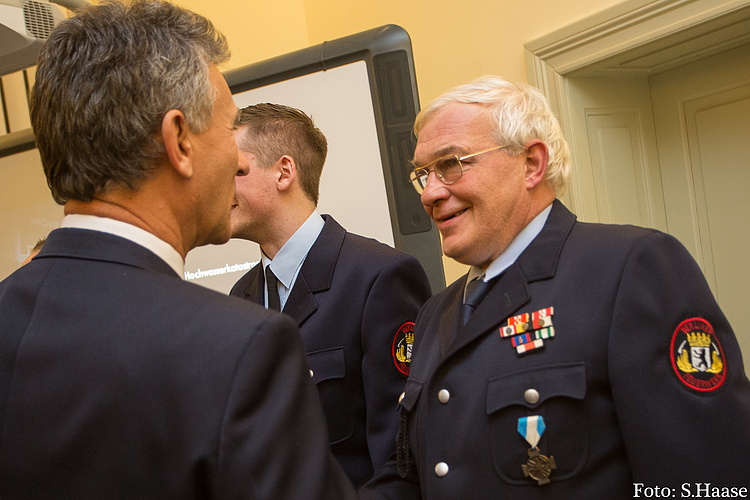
118, 379
573, 360
353, 298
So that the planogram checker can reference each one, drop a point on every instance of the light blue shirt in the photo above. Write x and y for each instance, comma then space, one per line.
513, 251
288, 262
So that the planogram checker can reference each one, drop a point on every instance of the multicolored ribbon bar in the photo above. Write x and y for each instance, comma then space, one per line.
529, 346
541, 322
544, 333
521, 339
529, 329
547, 312
508, 331
519, 320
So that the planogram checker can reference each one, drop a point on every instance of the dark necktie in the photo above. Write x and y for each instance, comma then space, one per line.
272, 284
475, 292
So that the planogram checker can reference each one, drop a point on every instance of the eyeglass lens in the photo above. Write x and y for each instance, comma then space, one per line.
447, 169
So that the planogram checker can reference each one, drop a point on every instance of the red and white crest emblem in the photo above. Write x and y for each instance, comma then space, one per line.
697, 356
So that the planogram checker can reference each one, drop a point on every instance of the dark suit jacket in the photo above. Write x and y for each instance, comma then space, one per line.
119, 380
351, 298
615, 408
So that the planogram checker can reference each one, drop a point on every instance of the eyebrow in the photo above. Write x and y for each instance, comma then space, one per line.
444, 151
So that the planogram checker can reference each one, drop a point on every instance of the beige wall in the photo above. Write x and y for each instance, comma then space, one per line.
453, 41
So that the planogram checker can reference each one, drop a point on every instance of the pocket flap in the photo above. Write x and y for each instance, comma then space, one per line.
327, 364
534, 386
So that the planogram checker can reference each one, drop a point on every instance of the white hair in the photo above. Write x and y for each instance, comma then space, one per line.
520, 113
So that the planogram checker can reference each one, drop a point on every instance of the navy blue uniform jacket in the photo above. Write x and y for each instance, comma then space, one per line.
119, 380
351, 298
619, 408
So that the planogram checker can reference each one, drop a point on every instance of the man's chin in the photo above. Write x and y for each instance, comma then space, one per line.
461, 255
220, 236
451, 249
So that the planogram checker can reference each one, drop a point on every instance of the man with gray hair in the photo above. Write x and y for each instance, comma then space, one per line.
117, 379
574, 360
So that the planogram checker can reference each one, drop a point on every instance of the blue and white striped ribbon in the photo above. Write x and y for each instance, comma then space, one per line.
531, 428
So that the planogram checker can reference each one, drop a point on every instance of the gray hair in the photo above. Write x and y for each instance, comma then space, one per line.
520, 113
105, 79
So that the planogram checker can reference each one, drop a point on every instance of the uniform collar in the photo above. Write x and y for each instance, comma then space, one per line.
288, 261
130, 232
514, 250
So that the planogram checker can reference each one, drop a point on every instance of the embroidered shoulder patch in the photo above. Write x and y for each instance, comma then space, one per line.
697, 356
402, 342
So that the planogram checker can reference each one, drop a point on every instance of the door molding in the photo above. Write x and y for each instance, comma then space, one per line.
642, 36
636, 37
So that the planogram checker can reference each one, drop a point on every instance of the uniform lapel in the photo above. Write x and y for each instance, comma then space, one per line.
255, 286
316, 274
301, 302
509, 293
449, 318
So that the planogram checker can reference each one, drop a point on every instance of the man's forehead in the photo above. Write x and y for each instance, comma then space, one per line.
453, 130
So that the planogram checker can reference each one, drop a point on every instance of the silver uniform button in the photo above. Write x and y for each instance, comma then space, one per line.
311, 373
444, 396
401, 397
441, 469
531, 396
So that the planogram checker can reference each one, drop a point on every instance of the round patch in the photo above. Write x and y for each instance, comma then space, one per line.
697, 356
402, 342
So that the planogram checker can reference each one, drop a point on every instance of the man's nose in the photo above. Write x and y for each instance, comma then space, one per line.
243, 166
434, 190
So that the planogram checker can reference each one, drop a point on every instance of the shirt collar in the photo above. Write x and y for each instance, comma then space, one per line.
514, 250
288, 261
130, 232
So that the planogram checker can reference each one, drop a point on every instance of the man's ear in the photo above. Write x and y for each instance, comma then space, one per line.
176, 136
536, 162
287, 172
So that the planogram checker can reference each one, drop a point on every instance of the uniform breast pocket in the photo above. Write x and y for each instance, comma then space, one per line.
328, 370
557, 394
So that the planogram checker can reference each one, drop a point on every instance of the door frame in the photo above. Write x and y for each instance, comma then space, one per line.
636, 37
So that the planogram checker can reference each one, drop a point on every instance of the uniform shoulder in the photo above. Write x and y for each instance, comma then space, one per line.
620, 233
617, 241
373, 248
221, 313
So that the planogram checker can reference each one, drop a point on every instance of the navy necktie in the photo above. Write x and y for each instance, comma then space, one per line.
475, 292
272, 284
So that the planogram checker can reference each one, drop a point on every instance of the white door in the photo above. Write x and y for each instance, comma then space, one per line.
702, 122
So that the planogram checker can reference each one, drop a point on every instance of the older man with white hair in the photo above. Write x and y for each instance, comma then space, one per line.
574, 360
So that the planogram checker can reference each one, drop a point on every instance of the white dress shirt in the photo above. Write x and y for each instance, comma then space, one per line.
151, 242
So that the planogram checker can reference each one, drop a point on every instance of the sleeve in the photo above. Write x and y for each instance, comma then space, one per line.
388, 485
677, 376
395, 298
274, 442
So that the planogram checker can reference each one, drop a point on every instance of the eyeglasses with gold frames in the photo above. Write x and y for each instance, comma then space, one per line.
447, 168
